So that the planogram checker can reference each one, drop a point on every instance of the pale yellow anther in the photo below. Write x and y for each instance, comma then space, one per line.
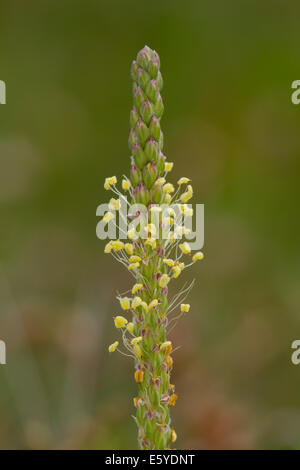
198, 256
112, 347
185, 307
163, 281
151, 242
130, 327
125, 185
136, 288
114, 204
133, 266
111, 180
136, 302
144, 305
131, 233
153, 304
117, 245
168, 166
137, 351
183, 180
168, 188
134, 259
168, 262
136, 340
108, 217
176, 271
129, 248
168, 198
187, 195
108, 247
185, 248
120, 321
160, 181
125, 303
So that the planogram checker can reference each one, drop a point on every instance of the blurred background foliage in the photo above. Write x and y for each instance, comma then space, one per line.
229, 124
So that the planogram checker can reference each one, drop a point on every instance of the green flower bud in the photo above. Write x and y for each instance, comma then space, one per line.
157, 193
150, 174
134, 117
143, 58
135, 175
154, 67
142, 132
161, 140
142, 194
159, 106
139, 156
140, 412
155, 128
132, 139
143, 78
161, 163
160, 80
160, 440
154, 397
146, 111
134, 68
139, 97
151, 150
152, 90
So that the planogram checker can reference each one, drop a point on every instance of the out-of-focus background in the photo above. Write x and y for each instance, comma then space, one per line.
229, 124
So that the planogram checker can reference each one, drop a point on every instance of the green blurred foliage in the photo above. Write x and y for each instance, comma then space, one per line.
229, 124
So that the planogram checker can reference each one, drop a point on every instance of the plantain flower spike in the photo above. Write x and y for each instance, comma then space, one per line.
152, 259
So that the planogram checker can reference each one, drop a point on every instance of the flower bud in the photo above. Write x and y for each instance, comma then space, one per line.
154, 66
150, 174
151, 150
157, 193
161, 163
155, 128
161, 140
133, 117
143, 77
132, 139
159, 106
139, 156
142, 132
139, 97
135, 175
152, 90
143, 58
142, 194
133, 71
146, 111
159, 80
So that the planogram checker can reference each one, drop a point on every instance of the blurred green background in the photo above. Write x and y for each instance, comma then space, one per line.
229, 124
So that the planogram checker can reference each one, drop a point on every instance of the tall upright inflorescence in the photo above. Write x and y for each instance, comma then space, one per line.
153, 254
